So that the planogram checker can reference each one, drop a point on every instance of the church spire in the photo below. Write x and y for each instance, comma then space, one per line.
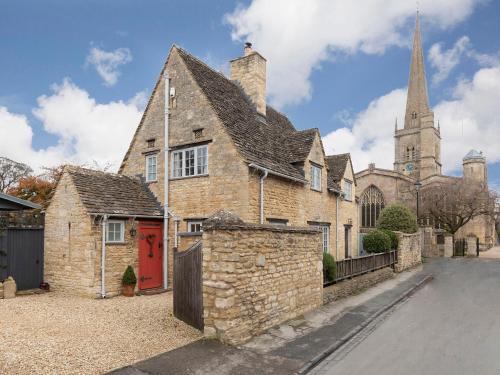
417, 103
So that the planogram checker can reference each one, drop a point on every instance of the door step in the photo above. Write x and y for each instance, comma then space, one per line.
150, 292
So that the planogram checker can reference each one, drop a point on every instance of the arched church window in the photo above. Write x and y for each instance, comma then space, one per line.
408, 153
414, 115
372, 203
413, 153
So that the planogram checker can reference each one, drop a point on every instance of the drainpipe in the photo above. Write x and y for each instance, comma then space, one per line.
165, 181
103, 256
262, 178
337, 227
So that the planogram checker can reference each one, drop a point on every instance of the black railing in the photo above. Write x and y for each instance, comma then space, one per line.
352, 267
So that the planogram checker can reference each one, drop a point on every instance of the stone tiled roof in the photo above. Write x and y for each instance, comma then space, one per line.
270, 142
109, 193
336, 169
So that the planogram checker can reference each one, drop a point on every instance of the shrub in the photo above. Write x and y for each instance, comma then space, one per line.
397, 217
129, 276
329, 267
377, 241
393, 237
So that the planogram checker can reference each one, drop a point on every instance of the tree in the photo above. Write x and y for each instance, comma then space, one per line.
11, 172
397, 217
38, 189
453, 204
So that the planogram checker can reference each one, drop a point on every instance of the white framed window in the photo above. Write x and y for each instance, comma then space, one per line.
325, 234
115, 231
151, 168
190, 162
347, 190
194, 226
315, 178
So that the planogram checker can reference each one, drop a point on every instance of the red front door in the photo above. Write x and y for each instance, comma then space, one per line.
150, 238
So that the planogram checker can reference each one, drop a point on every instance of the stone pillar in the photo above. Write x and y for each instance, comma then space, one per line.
471, 246
448, 246
9, 288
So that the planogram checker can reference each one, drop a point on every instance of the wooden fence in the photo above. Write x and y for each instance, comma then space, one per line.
353, 267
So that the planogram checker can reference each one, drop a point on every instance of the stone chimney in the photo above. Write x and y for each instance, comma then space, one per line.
250, 72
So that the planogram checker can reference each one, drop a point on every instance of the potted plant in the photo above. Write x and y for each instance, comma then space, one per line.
128, 282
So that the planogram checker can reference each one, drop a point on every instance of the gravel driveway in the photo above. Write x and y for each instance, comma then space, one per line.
58, 334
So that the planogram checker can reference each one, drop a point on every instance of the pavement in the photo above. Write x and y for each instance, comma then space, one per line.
451, 326
493, 253
292, 348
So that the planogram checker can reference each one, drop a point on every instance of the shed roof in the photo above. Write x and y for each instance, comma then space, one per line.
11, 203
113, 194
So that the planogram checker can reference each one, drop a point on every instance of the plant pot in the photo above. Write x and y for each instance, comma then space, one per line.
128, 290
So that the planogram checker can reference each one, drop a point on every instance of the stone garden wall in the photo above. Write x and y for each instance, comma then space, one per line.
409, 251
257, 276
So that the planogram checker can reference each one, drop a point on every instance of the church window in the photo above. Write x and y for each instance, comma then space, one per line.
372, 203
414, 115
408, 153
413, 153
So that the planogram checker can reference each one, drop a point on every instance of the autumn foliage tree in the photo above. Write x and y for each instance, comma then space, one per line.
11, 172
454, 204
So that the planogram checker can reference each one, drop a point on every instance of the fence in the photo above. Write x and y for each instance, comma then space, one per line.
352, 267
21, 256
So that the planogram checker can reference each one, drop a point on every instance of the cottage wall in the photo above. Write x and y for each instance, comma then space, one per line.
348, 215
255, 277
70, 245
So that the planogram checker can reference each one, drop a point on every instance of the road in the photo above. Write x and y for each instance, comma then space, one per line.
451, 326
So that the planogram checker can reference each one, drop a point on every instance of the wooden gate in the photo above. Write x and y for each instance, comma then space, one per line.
460, 247
188, 291
21, 256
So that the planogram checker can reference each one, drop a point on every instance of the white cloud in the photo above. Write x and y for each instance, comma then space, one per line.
87, 131
296, 36
107, 63
468, 120
445, 61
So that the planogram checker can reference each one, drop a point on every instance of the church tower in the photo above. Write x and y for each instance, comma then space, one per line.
418, 144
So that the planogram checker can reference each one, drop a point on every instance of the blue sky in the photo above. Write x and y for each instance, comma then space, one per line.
346, 79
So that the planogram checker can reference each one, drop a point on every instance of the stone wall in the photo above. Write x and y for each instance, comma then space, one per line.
409, 251
255, 277
356, 285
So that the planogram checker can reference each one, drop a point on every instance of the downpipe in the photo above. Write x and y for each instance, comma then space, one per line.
165, 181
104, 223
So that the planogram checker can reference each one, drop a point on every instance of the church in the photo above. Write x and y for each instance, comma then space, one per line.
417, 162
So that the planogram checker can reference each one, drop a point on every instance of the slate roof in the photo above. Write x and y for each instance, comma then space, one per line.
272, 143
336, 169
10, 203
109, 193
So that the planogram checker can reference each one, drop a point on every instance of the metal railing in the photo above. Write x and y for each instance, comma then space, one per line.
352, 267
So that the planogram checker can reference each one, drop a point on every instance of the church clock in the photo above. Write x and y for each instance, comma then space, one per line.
409, 167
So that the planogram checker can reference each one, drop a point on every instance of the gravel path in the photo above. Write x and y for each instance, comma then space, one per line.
58, 334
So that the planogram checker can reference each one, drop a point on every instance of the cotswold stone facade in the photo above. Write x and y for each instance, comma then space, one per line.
417, 158
257, 276
409, 251
257, 164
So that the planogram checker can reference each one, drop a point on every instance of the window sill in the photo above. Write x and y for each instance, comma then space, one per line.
151, 181
187, 177
116, 243
190, 234
316, 190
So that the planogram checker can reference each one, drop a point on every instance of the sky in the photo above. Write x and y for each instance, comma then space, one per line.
75, 75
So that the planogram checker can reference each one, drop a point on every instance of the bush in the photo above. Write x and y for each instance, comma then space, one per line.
397, 217
329, 267
377, 241
129, 276
393, 237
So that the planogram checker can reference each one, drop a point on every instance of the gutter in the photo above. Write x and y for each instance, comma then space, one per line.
165, 181
255, 166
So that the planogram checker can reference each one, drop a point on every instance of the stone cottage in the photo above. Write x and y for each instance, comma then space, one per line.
78, 252
228, 149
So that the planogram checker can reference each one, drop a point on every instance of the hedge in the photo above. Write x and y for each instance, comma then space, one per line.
377, 241
398, 217
329, 267
393, 237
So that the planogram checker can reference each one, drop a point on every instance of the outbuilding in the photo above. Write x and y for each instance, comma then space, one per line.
97, 224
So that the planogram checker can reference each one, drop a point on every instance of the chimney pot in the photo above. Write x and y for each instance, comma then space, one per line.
248, 48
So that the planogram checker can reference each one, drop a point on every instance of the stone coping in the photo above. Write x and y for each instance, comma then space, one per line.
266, 227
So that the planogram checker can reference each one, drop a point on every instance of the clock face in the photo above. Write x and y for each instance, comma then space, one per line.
409, 167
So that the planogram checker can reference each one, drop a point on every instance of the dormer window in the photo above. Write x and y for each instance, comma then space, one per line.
347, 190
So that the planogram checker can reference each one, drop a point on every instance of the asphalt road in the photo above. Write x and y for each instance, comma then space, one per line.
450, 326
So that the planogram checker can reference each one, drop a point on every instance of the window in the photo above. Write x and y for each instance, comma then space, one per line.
151, 142
325, 233
347, 190
115, 231
315, 178
190, 162
372, 203
151, 163
195, 226
277, 222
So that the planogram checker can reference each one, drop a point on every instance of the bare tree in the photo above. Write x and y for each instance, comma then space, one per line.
455, 203
11, 172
